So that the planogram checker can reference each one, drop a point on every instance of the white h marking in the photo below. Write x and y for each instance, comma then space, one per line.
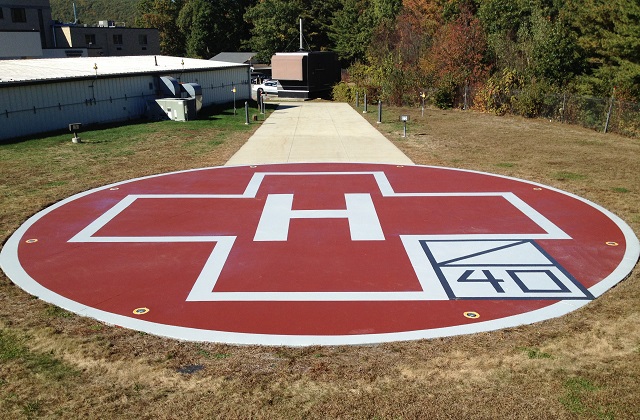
277, 213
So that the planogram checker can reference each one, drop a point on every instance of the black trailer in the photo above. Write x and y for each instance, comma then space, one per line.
306, 74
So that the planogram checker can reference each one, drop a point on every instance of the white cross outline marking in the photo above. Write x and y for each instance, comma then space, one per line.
202, 289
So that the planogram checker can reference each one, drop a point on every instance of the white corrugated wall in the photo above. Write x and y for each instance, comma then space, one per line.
38, 108
217, 87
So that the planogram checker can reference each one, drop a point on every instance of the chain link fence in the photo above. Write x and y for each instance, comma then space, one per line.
609, 115
600, 114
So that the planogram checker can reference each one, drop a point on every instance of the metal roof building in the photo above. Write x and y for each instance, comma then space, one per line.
42, 95
236, 57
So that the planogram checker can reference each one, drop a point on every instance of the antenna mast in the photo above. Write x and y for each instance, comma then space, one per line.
301, 46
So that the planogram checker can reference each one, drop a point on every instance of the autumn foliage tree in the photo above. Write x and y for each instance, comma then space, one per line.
457, 56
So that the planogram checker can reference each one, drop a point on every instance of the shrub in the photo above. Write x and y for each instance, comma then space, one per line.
344, 92
497, 94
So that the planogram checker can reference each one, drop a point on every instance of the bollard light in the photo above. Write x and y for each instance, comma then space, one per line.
404, 119
74, 128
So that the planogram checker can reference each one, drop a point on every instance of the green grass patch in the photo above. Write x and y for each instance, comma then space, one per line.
55, 184
568, 176
10, 347
13, 349
577, 394
124, 134
204, 353
221, 355
535, 353
32, 408
505, 165
620, 190
576, 389
49, 365
57, 312
209, 355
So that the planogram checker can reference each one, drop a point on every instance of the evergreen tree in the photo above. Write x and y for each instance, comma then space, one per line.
609, 32
351, 29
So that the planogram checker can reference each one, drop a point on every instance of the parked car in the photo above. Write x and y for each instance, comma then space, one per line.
268, 86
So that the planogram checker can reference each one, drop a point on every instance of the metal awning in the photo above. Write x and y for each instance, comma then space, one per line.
287, 66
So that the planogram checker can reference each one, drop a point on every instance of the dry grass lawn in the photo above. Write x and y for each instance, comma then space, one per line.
586, 364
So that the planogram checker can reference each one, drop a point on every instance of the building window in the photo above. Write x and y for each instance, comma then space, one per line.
117, 39
90, 39
142, 39
18, 15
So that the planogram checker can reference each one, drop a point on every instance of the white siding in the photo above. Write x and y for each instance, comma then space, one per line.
38, 108
217, 86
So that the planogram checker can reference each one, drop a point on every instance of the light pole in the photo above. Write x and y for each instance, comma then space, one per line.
234, 100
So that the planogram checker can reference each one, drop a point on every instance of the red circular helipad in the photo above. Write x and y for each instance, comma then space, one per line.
302, 254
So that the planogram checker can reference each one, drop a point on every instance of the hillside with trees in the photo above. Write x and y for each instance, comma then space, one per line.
397, 49
90, 12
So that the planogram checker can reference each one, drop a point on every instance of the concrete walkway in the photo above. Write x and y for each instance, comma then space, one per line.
305, 132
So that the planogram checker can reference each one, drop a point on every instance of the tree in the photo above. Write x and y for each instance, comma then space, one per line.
503, 21
317, 19
504, 17
275, 26
393, 52
609, 33
212, 26
533, 39
351, 29
385, 10
162, 14
427, 15
458, 52
554, 55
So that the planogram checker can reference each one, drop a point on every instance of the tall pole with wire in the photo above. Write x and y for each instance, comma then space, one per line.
301, 44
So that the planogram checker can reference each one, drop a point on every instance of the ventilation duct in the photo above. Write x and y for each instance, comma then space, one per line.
170, 87
194, 90
178, 102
